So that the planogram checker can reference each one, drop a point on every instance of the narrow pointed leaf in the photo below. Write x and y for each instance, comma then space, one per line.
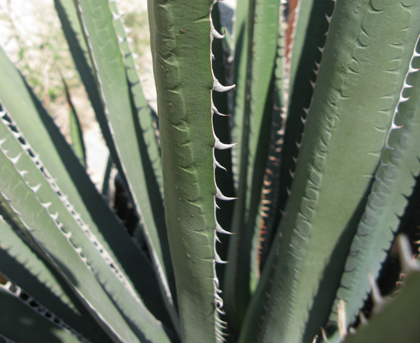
76, 134
100, 32
262, 34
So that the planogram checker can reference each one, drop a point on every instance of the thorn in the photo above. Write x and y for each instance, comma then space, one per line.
220, 196
218, 259
2, 141
324, 335
116, 16
15, 160
406, 254
219, 229
221, 146
394, 127
412, 70
402, 99
216, 34
328, 18
321, 49
312, 83
35, 188
218, 87
46, 205
217, 164
17, 135
406, 85
377, 299
362, 319
54, 216
215, 110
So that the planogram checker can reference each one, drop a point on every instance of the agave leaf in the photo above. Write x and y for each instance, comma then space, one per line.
181, 37
92, 255
139, 102
62, 254
107, 177
149, 147
27, 321
76, 134
263, 32
306, 36
268, 218
394, 182
394, 320
240, 67
73, 32
155, 124
19, 263
98, 23
348, 122
78, 194
224, 176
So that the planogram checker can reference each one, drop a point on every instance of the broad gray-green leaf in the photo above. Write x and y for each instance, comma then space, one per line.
349, 118
394, 183
181, 37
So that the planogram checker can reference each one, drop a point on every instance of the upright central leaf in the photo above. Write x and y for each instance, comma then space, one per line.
181, 37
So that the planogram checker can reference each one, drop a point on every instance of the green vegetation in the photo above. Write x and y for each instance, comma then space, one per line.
302, 187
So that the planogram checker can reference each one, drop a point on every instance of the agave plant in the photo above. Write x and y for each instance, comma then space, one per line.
292, 142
